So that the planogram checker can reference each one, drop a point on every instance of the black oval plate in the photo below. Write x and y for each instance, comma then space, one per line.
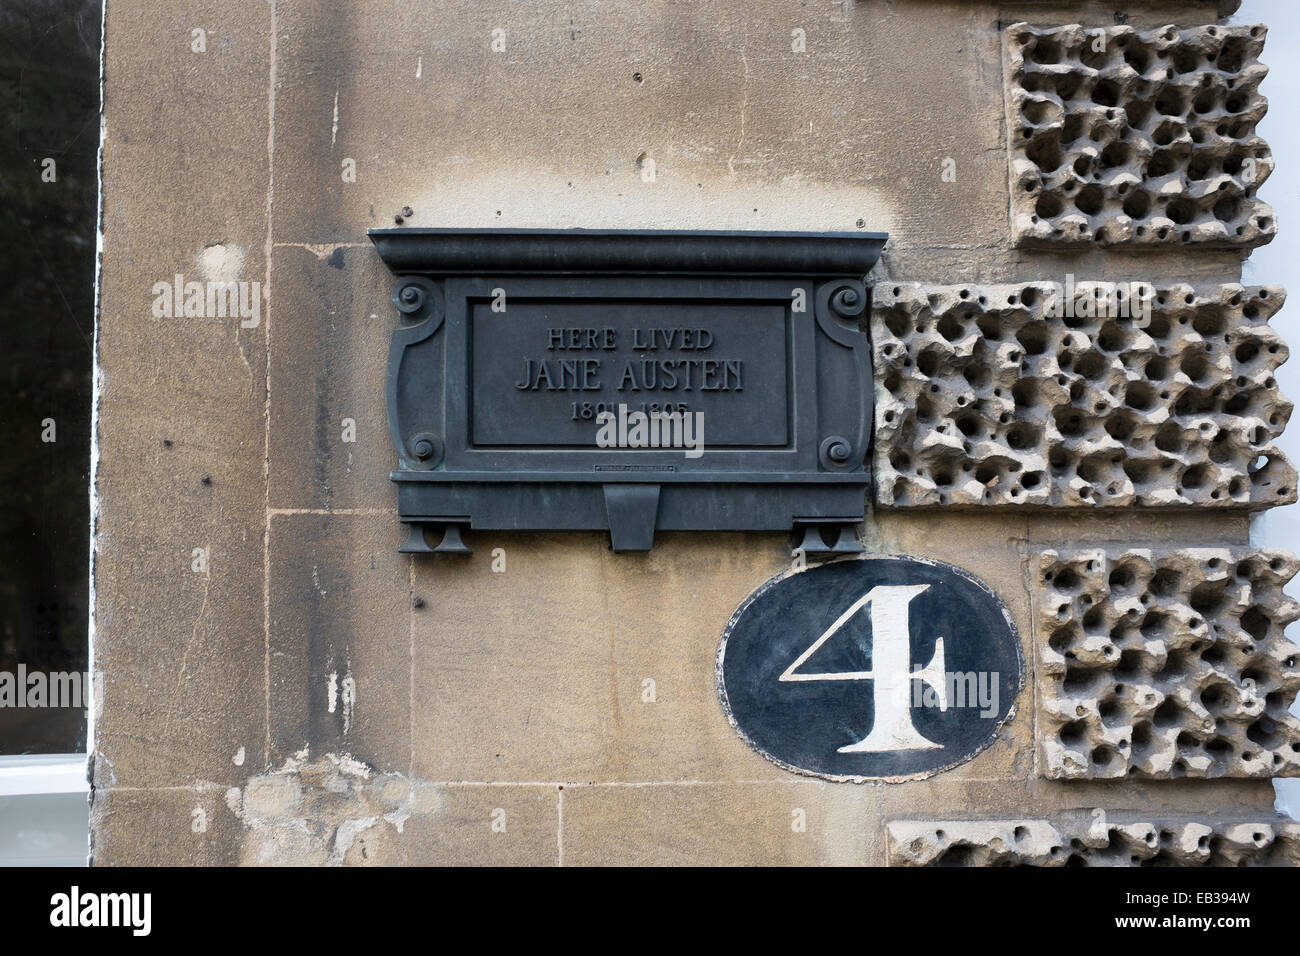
798, 680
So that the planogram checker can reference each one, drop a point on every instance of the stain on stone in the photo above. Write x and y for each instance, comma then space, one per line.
221, 262
333, 810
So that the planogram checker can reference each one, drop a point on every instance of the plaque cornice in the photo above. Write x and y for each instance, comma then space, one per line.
629, 252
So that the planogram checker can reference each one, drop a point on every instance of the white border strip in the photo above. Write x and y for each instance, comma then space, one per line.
94, 701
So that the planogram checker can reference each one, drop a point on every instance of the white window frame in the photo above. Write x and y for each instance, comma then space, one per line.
29, 774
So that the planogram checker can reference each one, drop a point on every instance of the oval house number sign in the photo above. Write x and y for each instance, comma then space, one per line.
877, 667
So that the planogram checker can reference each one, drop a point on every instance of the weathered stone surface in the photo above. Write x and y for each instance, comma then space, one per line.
156, 826
327, 810
178, 641
312, 812
1167, 664
719, 824
329, 445
985, 397
560, 126
1120, 137
339, 640
1091, 841
558, 668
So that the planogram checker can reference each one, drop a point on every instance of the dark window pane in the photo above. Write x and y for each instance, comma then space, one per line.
49, 133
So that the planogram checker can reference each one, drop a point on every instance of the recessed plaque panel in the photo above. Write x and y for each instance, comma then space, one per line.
544, 371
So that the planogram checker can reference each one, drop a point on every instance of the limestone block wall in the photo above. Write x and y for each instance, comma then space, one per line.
275, 683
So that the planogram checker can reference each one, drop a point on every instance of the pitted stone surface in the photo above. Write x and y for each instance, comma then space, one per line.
1167, 664
983, 397
1091, 841
1120, 137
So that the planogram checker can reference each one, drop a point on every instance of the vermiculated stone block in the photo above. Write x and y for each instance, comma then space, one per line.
1167, 664
1120, 137
1091, 841
994, 395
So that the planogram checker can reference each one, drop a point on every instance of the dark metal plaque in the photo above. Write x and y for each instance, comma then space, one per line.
871, 668
629, 381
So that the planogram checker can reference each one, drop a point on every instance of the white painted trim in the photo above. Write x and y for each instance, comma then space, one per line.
93, 700
42, 773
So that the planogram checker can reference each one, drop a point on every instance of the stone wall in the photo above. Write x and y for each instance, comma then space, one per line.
276, 684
